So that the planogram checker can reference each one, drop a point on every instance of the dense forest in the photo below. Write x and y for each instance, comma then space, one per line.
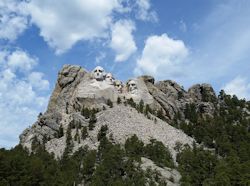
221, 157
226, 134
109, 165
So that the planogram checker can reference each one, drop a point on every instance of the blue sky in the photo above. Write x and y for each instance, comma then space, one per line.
187, 41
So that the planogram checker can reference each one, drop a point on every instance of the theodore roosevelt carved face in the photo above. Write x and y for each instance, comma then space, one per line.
118, 86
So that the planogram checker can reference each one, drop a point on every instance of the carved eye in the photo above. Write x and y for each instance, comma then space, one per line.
95, 70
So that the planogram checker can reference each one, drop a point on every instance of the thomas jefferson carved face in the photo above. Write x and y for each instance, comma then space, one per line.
98, 73
109, 78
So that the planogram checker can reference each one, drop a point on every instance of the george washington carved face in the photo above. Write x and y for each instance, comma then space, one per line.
98, 73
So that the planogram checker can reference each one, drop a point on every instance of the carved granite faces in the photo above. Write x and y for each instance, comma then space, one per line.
132, 86
109, 78
119, 86
98, 73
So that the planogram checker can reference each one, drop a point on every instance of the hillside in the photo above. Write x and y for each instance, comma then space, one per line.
101, 131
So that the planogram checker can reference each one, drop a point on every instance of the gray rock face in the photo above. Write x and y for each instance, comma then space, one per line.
76, 88
202, 92
62, 97
171, 89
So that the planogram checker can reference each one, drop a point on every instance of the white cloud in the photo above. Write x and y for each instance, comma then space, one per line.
122, 41
100, 57
144, 11
20, 60
22, 95
239, 86
37, 81
63, 23
161, 57
13, 19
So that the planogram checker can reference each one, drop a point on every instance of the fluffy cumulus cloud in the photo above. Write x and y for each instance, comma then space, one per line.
161, 57
239, 86
63, 23
22, 94
20, 60
144, 11
122, 41
13, 19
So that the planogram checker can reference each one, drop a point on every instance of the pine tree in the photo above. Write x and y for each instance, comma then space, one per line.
60, 132
102, 133
109, 103
141, 106
118, 100
84, 132
92, 121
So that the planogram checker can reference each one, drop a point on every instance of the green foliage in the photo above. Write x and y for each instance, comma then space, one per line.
160, 154
119, 100
60, 132
196, 165
134, 147
88, 165
227, 132
131, 102
17, 167
147, 110
141, 106
85, 112
102, 132
84, 132
92, 121
191, 113
155, 151
69, 143
109, 165
206, 96
114, 168
109, 103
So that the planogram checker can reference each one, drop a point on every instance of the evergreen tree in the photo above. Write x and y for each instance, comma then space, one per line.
84, 132
134, 147
109, 103
119, 100
92, 121
102, 133
141, 106
60, 132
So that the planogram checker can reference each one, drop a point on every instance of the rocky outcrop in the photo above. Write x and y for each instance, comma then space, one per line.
76, 88
202, 93
68, 79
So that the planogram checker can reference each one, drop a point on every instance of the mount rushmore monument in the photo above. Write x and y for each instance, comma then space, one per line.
77, 88
101, 85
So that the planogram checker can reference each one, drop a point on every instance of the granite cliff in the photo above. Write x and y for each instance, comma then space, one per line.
139, 106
